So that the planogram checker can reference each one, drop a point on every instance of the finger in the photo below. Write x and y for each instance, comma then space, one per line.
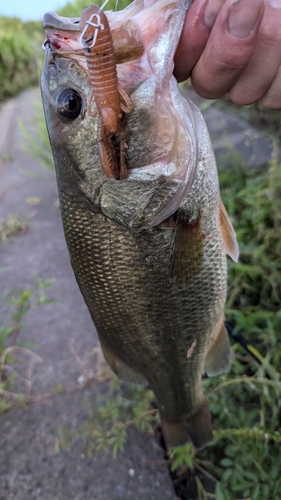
272, 98
229, 48
264, 63
199, 21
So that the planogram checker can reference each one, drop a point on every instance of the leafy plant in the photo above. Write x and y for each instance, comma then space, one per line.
19, 303
109, 418
18, 63
12, 226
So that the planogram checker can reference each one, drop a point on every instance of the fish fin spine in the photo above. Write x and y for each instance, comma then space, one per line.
230, 245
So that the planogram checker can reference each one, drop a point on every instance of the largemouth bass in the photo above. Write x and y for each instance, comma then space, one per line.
148, 251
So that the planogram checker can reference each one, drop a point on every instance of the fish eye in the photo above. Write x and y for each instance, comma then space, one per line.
69, 103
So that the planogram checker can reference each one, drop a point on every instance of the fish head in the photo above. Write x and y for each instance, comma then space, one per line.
161, 137
65, 91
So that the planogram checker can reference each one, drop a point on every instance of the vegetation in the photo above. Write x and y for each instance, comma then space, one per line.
245, 403
111, 417
11, 226
38, 145
74, 9
19, 53
18, 304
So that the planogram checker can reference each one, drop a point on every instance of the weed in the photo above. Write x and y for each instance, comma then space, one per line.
19, 303
109, 418
37, 145
11, 226
18, 63
6, 157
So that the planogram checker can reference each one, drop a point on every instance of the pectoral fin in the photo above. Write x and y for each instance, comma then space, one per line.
123, 371
187, 255
230, 244
219, 353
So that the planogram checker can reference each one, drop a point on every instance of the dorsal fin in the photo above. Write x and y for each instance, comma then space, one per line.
230, 244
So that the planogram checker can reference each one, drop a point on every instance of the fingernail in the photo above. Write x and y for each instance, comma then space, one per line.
211, 11
243, 17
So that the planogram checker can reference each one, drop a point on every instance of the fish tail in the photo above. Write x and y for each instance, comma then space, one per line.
175, 433
196, 427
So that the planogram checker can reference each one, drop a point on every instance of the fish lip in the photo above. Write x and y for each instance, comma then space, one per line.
53, 20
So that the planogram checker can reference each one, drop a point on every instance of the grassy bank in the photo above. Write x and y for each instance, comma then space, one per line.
19, 55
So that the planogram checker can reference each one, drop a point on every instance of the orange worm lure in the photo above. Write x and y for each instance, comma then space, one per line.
97, 42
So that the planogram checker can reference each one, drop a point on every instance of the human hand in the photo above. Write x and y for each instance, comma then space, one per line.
233, 46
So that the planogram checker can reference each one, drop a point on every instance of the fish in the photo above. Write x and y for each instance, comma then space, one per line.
148, 251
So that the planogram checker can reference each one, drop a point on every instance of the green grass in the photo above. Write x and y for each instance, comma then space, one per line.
19, 57
244, 462
37, 144
245, 403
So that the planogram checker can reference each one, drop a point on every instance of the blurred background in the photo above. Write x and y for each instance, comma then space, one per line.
63, 416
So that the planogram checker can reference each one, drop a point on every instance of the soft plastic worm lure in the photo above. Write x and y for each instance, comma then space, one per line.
111, 100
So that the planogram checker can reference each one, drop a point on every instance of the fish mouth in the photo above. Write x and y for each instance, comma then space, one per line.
62, 34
